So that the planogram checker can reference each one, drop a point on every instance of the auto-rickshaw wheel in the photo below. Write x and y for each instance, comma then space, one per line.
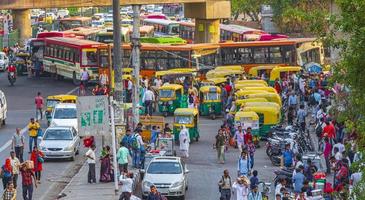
212, 116
197, 138
165, 114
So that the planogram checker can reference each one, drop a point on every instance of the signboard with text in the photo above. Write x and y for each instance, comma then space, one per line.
93, 115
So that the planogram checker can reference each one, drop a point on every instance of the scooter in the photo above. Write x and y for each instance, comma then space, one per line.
11, 78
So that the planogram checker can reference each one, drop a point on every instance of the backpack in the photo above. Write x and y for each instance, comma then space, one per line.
191, 99
319, 130
221, 183
134, 143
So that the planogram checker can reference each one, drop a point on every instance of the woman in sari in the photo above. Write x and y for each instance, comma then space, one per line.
106, 171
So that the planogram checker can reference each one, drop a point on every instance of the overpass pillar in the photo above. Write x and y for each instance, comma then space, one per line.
23, 23
207, 18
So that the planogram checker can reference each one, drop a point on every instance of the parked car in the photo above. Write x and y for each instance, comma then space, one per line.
4, 61
168, 174
60, 142
64, 114
3, 108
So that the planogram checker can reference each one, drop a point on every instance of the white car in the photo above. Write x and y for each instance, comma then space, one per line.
4, 61
64, 114
63, 13
3, 108
168, 174
60, 142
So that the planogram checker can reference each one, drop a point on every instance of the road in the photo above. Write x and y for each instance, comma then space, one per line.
20, 100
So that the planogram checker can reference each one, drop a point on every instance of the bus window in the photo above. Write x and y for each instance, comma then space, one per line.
261, 55
173, 29
244, 55
89, 58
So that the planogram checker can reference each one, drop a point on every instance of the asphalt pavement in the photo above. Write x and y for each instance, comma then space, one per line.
20, 100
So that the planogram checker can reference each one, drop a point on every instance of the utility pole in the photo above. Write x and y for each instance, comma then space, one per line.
136, 62
117, 51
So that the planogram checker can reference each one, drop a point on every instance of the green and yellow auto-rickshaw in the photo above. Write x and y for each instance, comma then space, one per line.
214, 81
280, 72
261, 104
241, 94
210, 101
247, 85
257, 71
271, 97
188, 117
171, 97
21, 61
267, 89
268, 116
242, 82
241, 102
55, 99
223, 73
249, 119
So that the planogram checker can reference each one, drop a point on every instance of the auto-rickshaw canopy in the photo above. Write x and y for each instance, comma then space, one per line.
186, 111
217, 81
261, 104
254, 70
275, 73
233, 67
246, 114
175, 72
171, 87
267, 89
65, 98
271, 114
242, 82
208, 89
240, 94
222, 73
271, 97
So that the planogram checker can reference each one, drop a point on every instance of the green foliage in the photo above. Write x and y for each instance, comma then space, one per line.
247, 7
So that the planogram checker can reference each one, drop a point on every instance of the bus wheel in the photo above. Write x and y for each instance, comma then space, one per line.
74, 79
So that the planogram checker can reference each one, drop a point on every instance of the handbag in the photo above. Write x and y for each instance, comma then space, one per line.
40, 159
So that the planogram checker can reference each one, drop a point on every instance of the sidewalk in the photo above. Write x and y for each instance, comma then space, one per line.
79, 189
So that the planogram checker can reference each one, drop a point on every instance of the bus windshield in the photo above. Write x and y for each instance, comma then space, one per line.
89, 58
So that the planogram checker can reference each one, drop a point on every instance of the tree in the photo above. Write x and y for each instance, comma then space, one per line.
250, 8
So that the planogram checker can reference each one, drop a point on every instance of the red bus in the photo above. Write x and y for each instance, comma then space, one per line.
74, 22
187, 31
87, 33
66, 57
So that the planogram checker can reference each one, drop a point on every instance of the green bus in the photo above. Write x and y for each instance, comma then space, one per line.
163, 40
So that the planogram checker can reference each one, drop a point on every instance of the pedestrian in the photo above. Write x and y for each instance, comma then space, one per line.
122, 158
327, 154
287, 158
251, 151
301, 195
137, 146
106, 171
129, 89
155, 132
9, 192
298, 180
91, 160
309, 168
15, 165
126, 139
301, 115
184, 140
225, 185
33, 127
240, 188
239, 137
154, 194
219, 144
243, 165
84, 77
247, 136
103, 79
337, 153
307, 188
7, 171
280, 186
277, 86
254, 180
292, 100
339, 146
38, 101
97, 91
148, 99
126, 180
191, 100
38, 159
330, 130
255, 194
27, 182
18, 145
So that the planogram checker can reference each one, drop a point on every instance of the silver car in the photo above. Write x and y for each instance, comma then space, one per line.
60, 142
168, 174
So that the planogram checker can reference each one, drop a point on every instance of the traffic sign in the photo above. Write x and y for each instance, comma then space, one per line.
93, 115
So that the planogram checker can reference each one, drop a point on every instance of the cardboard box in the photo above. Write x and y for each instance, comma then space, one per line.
29, 164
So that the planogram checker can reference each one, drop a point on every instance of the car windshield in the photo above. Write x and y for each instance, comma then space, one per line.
183, 119
52, 103
166, 93
65, 113
164, 168
58, 134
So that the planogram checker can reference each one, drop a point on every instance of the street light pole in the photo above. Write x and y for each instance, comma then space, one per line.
136, 62
117, 49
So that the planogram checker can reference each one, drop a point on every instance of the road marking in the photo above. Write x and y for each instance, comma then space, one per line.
8, 143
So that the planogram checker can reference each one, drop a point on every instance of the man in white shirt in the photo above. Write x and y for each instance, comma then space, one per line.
91, 160
148, 99
127, 185
129, 90
340, 146
158, 82
337, 153
15, 164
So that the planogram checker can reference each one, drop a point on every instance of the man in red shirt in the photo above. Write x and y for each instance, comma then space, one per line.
38, 100
248, 135
330, 130
27, 181
228, 88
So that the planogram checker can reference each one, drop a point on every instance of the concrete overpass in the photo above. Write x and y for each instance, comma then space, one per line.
207, 13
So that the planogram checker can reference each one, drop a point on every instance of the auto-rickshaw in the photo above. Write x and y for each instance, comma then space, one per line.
171, 97
210, 101
271, 97
188, 117
223, 73
260, 104
233, 67
240, 102
257, 71
242, 82
148, 123
241, 94
249, 119
280, 72
21, 61
267, 89
268, 116
214, 81
243, 86
55, 99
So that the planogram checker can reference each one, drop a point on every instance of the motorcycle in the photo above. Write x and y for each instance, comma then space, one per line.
286, 174
11, 78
